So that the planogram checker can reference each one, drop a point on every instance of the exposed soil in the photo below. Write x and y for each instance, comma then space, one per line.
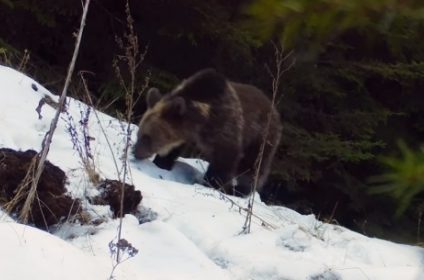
51, 204
111, 195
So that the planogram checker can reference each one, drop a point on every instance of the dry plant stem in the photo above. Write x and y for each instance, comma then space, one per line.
22, 189
247, 210
333, 213
24, 60
48, 138
133, 59
226, 198
263, 222
82, 147
420, 215
90, 101
276, 80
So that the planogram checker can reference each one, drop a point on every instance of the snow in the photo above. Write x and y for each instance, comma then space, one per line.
188, 231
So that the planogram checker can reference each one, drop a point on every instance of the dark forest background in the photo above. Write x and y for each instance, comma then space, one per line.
352, 104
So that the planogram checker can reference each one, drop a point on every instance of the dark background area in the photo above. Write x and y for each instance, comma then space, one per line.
353, 93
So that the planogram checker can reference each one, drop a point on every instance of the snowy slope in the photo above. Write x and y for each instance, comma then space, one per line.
193, 232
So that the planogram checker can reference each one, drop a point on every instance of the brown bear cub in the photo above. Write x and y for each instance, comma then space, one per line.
225, 120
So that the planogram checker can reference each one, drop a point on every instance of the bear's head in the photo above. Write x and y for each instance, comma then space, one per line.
162, 127
176, 117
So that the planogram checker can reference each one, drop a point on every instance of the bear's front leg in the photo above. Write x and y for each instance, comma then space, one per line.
168, 161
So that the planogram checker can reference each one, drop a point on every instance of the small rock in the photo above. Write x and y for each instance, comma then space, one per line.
34, 87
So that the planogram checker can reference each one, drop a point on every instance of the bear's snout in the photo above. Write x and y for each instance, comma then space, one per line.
141, 152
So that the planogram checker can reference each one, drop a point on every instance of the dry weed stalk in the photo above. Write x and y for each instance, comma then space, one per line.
419, 221
4, 57
248, 211
133, 58
14, 59
241, 209
91, 103
23, 188
83, 146
121, 245
24, 61
280, 69
37, 168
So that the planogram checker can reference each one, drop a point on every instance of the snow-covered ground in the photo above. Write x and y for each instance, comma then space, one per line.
190, 232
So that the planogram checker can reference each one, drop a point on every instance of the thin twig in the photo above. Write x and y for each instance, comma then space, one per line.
133, 58
420, 215
280, 58
90, 101
248, 211
223, 196
41, 158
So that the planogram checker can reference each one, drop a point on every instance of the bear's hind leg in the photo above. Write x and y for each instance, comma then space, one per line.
221, 171
248, 165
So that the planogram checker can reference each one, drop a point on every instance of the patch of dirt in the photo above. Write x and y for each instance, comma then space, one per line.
111, 195
51, 204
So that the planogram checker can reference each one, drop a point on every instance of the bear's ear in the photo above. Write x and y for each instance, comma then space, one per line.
176, 107
153, 96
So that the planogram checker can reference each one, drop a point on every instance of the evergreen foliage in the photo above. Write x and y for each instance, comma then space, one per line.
404, 179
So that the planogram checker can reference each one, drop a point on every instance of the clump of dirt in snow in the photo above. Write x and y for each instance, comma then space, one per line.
51, 204
110, 194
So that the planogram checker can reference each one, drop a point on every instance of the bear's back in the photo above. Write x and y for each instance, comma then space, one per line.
256, 106
205, 86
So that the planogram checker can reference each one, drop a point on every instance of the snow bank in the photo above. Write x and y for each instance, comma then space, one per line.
189, 231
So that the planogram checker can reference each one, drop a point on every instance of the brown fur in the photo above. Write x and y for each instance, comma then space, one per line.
225, 120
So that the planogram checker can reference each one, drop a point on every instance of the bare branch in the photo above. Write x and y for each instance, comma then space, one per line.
41, 157
133, 59
276, 76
